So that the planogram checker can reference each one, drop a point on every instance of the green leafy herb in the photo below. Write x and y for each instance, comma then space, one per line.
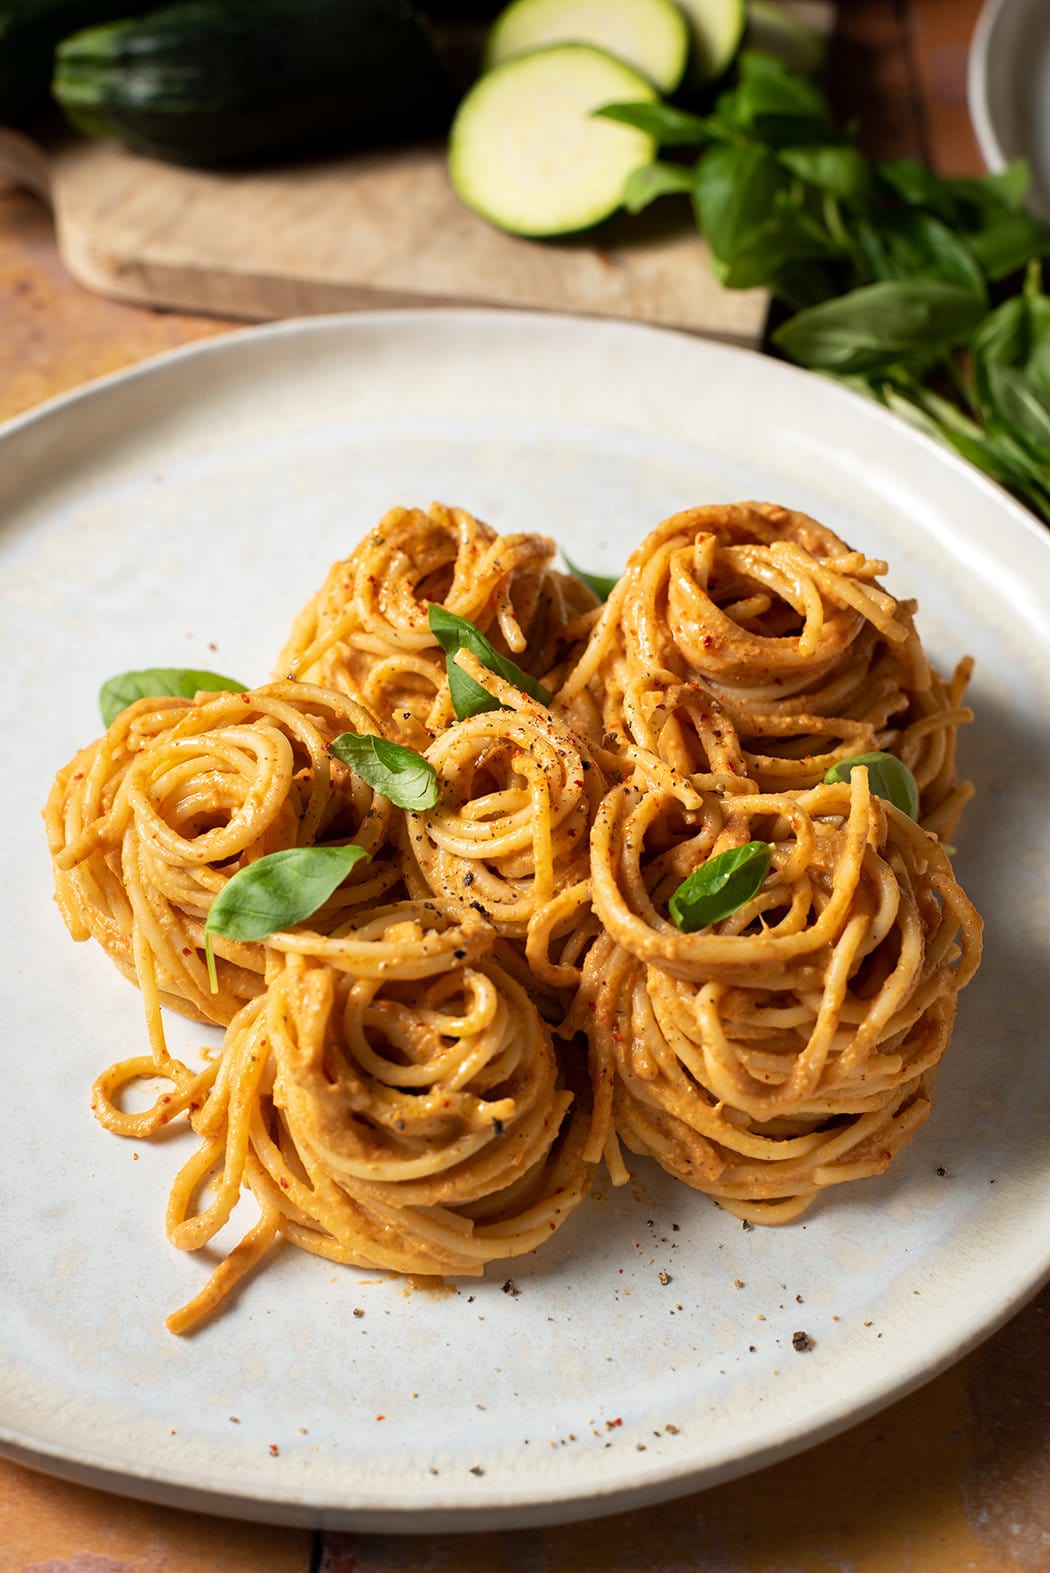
669, 126
888, 777
650, 181
156, 682
400, 774
720, 887
468, 697
880, 324
276, 891
603, 585
896, 275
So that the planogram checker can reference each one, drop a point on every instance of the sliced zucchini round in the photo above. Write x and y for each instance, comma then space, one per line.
528, 153
650, 35
716, 28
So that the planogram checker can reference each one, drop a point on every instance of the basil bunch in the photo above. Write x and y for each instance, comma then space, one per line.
898, 279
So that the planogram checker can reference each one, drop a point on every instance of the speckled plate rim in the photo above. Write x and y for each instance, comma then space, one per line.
998, 1285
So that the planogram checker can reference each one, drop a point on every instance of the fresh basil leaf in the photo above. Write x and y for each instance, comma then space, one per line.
736, 188
917, 186
1008, 242
158, 682
888, 777
880, 324
668, 126
841, 170
276, 891
914, 245
1019, 409
720, 887
400, 774
961, 201
1005, 190
777, 105
650, 181
468, 697
603, 585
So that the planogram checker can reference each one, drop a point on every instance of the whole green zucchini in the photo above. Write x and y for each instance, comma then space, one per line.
226, 81
29, 32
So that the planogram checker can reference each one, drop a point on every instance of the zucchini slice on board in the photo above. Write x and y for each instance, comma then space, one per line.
528, 154
650, 35
716, 28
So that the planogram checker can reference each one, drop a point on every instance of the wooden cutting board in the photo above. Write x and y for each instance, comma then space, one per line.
369, 231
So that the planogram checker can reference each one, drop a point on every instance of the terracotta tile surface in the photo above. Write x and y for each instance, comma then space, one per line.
50, 1526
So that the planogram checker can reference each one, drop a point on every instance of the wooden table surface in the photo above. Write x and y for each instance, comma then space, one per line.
957, 1476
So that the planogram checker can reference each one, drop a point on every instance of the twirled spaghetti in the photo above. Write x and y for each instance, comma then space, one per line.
810, 659
424, 1075
365, 632
791, 1046
149, 823
395, 1116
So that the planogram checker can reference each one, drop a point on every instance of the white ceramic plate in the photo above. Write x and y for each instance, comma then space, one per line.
179, 515
1008, 87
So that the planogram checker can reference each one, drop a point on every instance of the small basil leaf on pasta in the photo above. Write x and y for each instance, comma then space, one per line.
888, 777
468, 697
157, 682
400, 774
720, 887
603, 585
276, 891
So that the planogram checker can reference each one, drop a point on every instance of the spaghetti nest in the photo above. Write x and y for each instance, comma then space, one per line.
510, 833
366, 633
395, 1108
810, 659
424, 1074
792, 1045
148, 824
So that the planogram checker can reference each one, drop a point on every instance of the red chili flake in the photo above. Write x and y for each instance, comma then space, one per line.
245, 699
380, 1417
707, 641
186, 951
275, 1451
610, 1425
283, 1183
166, 1098
79, 776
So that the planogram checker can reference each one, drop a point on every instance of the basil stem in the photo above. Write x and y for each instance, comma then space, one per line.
603, 585
400, 774
888, 777
720, 887
158, 681
276, 891
468, 697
